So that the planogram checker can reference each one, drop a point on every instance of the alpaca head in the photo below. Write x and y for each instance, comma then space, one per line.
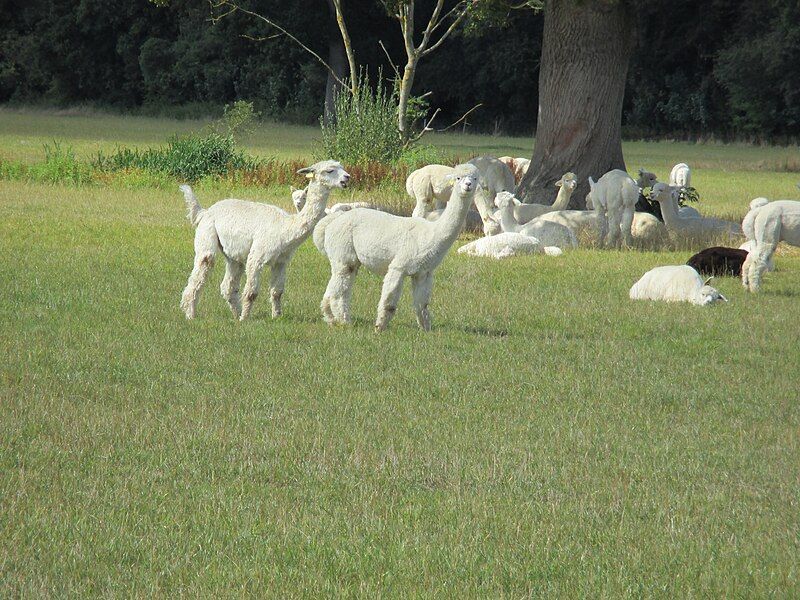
328, 173
298, 197
708, 294
662, 192
505, 199
568, 181
646, 179
465, 179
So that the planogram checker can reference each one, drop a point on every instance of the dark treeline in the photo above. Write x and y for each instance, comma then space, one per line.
727, 68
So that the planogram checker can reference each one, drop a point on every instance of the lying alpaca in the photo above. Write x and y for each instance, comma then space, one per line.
718, 261
679, 283
392, 246
524, 213
299, 201
548, 233
251, 235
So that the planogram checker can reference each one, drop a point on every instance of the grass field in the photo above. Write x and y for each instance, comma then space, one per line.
548, 438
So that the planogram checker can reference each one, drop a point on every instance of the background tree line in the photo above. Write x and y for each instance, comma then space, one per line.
730, 68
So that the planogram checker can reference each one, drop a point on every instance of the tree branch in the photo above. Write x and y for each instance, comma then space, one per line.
232, 7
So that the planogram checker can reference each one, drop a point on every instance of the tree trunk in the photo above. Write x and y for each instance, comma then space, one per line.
585, 52
404, 95
337, 59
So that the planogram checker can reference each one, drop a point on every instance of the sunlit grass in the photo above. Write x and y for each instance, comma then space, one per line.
549, 437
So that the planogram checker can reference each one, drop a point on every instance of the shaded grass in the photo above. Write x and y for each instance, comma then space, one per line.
549, 437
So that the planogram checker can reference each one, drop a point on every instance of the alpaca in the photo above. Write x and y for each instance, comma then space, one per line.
681, 175
524, 213
504, 245
548, 233
495, 177
251, 235
773, 223
392, 246
667, 197
718, 261
616, 193
679, 283
299, 201
430, 187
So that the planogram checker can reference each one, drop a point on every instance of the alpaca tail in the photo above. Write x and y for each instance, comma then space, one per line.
194, 212
749, 221
319, 230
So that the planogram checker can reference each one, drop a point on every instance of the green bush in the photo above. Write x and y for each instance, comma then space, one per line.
187, 158
60, 166
365, 128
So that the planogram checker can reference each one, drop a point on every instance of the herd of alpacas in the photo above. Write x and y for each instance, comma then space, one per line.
478, 194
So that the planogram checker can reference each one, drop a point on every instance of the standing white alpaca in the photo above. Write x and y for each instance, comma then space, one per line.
251, 235
681, 175
772, 223
616, 193
392, 246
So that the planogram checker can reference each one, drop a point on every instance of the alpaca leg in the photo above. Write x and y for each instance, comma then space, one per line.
253, 272
422, 286
229, 288
746, 269
390, 295
338, 286
341, 303
763, 253
614, 230
277, 282
625, 226
205, 247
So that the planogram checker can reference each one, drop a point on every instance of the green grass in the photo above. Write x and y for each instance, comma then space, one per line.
548, 438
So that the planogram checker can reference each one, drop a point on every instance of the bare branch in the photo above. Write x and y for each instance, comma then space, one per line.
456, 22
389, 58
426, 35
464, 116
233, 7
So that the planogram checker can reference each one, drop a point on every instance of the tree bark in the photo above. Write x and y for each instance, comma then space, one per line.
585, 53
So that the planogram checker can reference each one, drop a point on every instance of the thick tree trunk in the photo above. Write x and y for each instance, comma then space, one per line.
337, 59
585, 54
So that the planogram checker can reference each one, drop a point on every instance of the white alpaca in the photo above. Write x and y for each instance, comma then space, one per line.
548, 233
589, 226
524, 213
299, 201
616, 193
430, 187
750, 246
773, 223
251, 235
518, 166
392, 246
667, 197
647, 229
495, 177
749, 219
506, 245
681, 175
679, 283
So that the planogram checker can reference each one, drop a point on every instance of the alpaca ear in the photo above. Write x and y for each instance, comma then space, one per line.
707, 280
292, 189
558, 183
308, 170
723, 298
517, 202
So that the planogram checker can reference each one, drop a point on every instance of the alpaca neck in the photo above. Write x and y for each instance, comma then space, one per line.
669, 210
562, 200
313, 210
450, 224
507, 220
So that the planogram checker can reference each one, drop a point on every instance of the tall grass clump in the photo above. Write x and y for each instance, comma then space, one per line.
365, 127
60, 166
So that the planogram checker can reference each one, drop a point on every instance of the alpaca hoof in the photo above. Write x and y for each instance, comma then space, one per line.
379, 328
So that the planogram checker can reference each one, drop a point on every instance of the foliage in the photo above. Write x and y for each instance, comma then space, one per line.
238, 119
365, 128
188, 158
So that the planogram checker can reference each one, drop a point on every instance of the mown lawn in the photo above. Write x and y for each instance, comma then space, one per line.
548, 438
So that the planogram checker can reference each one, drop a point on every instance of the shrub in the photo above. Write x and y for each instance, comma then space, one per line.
365, 128
187, 158
238, 119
